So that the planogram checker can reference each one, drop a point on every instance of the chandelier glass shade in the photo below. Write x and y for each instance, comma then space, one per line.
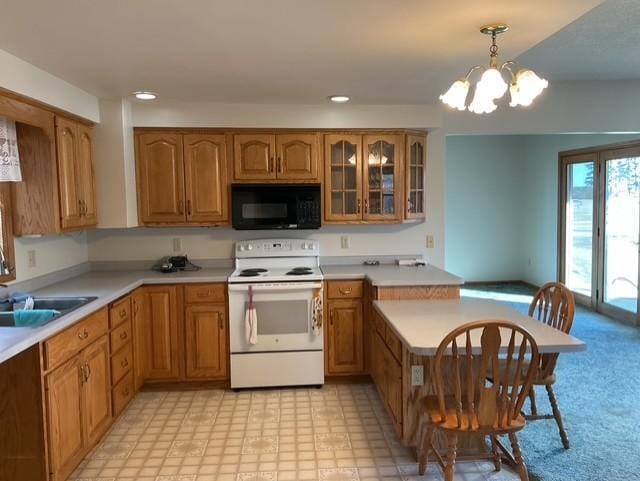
524, 85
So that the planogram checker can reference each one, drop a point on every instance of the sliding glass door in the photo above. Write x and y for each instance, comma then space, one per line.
600, 229
621, 231
578, 216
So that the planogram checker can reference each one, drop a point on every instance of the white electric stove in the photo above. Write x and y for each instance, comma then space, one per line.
283, 278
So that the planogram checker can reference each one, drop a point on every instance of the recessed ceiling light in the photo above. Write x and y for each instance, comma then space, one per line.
340, 99
145, 95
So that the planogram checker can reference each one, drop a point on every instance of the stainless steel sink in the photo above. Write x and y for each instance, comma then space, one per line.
61, 304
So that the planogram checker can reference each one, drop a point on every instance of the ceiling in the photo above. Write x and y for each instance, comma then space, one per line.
293, 51
602, 45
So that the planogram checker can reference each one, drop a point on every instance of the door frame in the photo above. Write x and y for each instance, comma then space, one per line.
599, 155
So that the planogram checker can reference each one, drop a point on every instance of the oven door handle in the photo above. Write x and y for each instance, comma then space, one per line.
276, 287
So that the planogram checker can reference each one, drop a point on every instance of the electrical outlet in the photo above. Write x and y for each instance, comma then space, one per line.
177, 244
31, 258
417, 375
345, 242
430, 242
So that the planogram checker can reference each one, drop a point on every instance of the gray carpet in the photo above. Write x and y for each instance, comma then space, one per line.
599, 396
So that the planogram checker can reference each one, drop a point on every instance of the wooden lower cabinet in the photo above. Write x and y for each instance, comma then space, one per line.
387, 375
78, 406
345, 342
64, 418
97, 387
161, 312
206, 341
140, 338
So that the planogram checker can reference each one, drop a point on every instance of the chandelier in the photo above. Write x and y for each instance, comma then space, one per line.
524, 84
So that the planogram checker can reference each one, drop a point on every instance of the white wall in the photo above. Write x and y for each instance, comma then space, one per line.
483, 227
26, 79
502, 203
53, 253
540, 209
115, 166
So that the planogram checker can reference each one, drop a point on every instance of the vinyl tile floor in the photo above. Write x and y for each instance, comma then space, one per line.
338, 433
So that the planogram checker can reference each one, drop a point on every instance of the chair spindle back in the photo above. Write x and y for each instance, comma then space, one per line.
460, 370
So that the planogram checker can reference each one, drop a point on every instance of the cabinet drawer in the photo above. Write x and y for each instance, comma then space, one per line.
120, 336
344, 289
62, 346
394, 344
119, 312
122, 394
194, 293
121, 363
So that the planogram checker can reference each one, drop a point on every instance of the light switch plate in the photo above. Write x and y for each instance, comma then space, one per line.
430, 242
417, 375
31, 258
345, 242
177, 244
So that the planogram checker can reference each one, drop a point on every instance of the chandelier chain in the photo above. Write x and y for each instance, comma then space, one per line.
493, 50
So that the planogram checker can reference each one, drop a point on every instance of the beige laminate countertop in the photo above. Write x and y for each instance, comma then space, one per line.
110, 285
387, 275
107, 286
423, 324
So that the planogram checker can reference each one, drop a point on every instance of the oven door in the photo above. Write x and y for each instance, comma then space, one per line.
284, 317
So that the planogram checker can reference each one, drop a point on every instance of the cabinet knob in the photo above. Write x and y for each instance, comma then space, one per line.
271, 164
123, 335
181, 207
124, 362
123, 312
82, 335
345, 292
366, 206
359, 202
189, 207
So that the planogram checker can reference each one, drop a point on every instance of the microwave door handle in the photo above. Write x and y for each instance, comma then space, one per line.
276, 287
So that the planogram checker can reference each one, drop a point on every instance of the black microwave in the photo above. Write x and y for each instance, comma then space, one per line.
275, 206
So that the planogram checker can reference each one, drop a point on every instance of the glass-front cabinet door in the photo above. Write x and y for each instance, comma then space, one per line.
343, 185
382, 177
414, 173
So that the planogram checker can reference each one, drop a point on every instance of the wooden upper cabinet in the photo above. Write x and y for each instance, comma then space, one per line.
343, 177
86, 183
205, 164
97, 390
76, 178
345, 337
382, 177
162, 316
66, 435
297, 157
161, 196
67, 153
415, 168
254, 156
206, 341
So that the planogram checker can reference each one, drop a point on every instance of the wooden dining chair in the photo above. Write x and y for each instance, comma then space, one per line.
554, 306
466, 402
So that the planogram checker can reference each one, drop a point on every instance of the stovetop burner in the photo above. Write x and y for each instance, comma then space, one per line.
300, 271
252, 272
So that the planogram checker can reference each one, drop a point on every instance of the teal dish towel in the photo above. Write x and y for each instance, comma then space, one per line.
33, 317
